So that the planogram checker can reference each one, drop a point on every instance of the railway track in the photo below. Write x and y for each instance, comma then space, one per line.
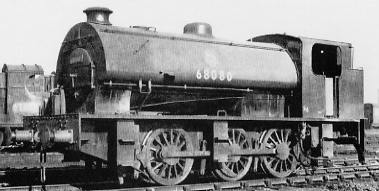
343, 169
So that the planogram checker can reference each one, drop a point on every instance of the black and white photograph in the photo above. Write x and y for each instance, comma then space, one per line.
189, 95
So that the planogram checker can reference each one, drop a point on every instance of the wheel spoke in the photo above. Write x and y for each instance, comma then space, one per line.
157, 166
282, 166
275, 164
171, 136
277, 137
233, 167
287, 136
164, 135
162, 169
233, 136
175, 170
279, 166
288, 166
282, 136
273, 140
169, 174
270, 145
242, 143
239, 138
269, 160
241, 163
181, 145
153, 149
158, 141
237, 167
177, 139
289, 163
181, 165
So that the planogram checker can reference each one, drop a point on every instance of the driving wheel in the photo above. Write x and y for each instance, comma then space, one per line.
168, 171
237, 166
284, 162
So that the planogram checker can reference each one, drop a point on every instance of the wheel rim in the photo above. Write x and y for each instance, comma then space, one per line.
302, 156
168, 171
284, 162
144, 176
237, 166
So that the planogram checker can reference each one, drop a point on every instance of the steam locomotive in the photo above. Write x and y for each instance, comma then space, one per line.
158, 106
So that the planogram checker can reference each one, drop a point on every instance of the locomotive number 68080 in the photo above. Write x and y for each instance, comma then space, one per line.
214, 75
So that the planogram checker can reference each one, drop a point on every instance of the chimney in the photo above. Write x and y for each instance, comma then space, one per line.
98, 15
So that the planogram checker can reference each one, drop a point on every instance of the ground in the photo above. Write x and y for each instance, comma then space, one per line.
356, 185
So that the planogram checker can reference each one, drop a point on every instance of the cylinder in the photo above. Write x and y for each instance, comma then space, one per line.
23, 135
63, 136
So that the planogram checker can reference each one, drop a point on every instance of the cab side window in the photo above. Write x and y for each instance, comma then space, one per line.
326, 60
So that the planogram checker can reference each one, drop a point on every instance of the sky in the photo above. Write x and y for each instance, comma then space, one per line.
32, 31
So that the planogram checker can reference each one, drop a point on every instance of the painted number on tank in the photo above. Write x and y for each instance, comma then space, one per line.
214, 75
